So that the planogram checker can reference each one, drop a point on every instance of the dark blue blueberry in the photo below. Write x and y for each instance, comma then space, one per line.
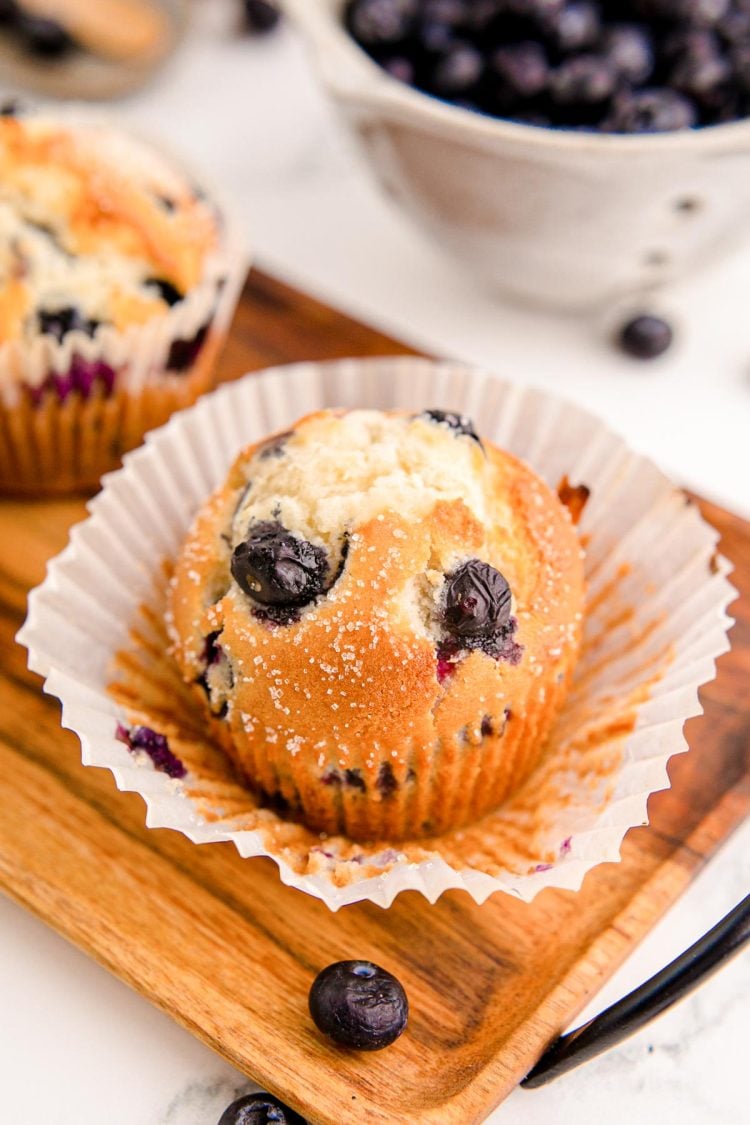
380, 23
459, 70
183, 353
575, 27
630, 50
741, 64
58, 322
260, 16
583, 80
153, 744
655, 110
476, 602
259, 1109
358, 1005
167, 291
400, 68
540, 11
702, 13
645, 336
42, 36
435, 38
459, 423
700, 68
274, 446
522, 70
734, 27
275, 568
386, 782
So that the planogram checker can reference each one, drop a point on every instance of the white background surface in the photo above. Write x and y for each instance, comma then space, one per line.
250, 113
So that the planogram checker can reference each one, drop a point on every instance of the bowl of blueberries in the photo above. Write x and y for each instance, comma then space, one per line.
569, 152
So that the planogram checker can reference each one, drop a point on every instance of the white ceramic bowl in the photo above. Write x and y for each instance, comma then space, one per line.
551, 216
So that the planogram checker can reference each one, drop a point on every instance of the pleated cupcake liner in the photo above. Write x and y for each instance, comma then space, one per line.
656, 621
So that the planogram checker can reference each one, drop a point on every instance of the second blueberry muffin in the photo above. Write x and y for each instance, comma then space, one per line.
117, 281
383, 612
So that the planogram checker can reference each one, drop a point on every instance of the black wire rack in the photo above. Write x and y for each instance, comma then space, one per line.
639, 1007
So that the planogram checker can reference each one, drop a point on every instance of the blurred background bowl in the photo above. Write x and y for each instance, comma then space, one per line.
555, 217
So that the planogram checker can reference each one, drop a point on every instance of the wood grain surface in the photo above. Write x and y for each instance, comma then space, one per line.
223, 947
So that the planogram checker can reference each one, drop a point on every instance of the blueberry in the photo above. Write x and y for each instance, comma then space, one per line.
458, 70
386, 783
275, 568
459, 423
43, 36
358, 1005
153, 744
576, 26
651, 110
700, 67
273, 447
477, 601
380, 23
58, 322
261, 16
167, 291
645, 336
541, 11
630, 50
698, 12
741, 64
183, 353
583, 80
734, 27
435, 38
259, 1109
522, 70
400, 68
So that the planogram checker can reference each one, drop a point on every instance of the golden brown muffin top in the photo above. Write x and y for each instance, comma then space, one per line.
94, 221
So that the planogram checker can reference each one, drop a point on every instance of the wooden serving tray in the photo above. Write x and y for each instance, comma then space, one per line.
223, 947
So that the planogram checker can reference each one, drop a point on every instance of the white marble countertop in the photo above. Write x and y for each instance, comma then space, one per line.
251, 114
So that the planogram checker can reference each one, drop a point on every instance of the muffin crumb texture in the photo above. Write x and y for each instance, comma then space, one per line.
381, 614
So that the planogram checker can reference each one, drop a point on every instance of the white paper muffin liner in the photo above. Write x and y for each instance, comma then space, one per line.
655, 623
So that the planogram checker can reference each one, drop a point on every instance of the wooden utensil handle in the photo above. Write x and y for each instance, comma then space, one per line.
639, 1007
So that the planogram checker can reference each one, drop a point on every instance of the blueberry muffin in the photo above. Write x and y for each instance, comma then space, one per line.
112, 269
381, 613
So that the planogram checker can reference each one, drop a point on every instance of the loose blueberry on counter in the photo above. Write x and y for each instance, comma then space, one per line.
275, 568
358, 1005
459, 423
58, 322
259, 1109
260, 16
477, 601
645, 336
